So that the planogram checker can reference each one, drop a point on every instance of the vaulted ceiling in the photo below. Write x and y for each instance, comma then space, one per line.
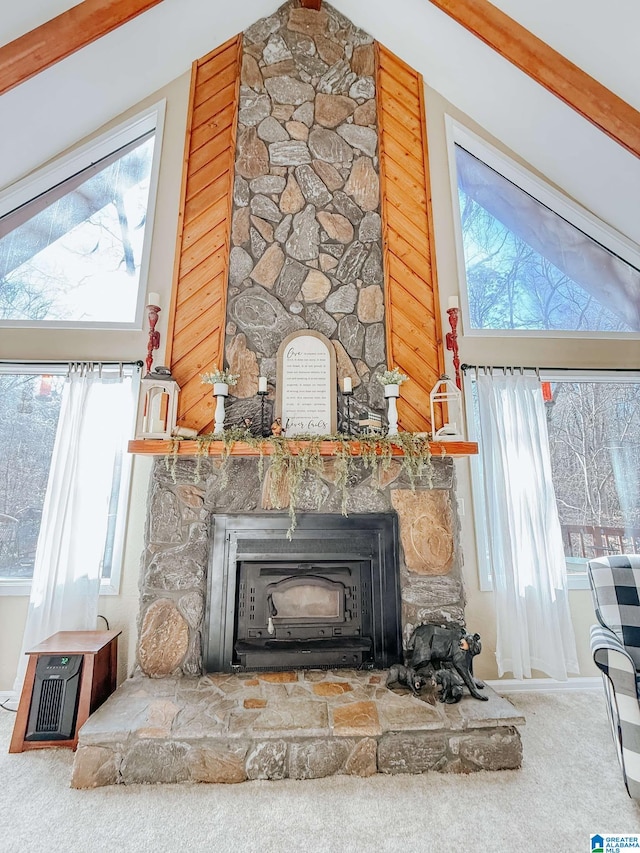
77, 95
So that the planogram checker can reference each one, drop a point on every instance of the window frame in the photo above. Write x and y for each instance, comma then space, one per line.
575, 580
546, 194
63, 168
110, 585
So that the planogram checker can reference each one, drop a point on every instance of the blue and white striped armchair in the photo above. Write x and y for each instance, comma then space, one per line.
615, 644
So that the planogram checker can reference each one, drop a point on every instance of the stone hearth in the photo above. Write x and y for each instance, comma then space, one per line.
304, 725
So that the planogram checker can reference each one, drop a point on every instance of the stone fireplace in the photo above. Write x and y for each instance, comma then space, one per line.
232, 726
305, 253
306, 240
212, 530
260, 656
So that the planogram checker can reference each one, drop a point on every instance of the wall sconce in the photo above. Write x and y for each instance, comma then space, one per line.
445, 393
157, 405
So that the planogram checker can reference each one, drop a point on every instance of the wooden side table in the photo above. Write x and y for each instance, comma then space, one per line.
99, 651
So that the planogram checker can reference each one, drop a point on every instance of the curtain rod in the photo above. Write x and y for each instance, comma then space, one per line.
67, 361
465, 367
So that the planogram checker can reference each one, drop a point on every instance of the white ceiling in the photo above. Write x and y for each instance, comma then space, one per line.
20, 18
601, 38
55, 109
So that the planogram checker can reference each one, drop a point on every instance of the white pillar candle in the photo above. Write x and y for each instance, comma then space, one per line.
262, 384
153, 299
453, 302
347, 387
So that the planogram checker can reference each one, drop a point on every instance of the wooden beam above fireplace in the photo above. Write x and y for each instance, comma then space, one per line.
152, 447
606, 110
63, 35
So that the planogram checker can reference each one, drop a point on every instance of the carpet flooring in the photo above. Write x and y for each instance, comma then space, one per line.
568, 788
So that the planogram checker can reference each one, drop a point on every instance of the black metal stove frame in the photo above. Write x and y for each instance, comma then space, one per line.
323, 546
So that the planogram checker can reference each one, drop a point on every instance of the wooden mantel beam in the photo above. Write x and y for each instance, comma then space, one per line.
562, 78
63, 35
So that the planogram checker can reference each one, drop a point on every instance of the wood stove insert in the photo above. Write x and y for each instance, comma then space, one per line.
327, 598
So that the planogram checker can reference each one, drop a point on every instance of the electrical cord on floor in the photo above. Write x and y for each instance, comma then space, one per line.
100, 616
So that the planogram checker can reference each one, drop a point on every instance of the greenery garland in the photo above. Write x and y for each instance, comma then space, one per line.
288, 469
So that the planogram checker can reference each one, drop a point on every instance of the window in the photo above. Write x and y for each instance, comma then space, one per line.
73, 238
531, 260
30, 401
593, 423
594, 441
29, 410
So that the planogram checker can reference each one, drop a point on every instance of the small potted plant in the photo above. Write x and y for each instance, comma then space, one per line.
392, 380
220, 379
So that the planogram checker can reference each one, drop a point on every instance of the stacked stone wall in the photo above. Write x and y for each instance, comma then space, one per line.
306, 230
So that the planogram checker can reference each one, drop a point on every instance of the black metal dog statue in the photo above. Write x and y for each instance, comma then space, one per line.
450, 685
407, 677
436, 647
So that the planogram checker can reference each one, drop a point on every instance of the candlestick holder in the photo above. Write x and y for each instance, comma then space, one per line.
220, 392
264, 432
348, 395
452, 342
391, 393
154, 335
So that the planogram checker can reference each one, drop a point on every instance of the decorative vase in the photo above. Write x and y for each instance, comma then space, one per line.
220, 391
391, 392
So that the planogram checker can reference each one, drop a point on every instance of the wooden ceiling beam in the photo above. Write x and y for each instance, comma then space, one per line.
608, 112
63, 35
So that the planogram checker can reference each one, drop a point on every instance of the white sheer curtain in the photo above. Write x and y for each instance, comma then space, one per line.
95, 417
534, 629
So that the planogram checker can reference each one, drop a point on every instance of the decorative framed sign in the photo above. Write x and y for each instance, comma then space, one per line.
306, 390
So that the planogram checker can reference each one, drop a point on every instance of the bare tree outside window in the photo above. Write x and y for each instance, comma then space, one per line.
29, 412
594, 439
527, 268
75, 254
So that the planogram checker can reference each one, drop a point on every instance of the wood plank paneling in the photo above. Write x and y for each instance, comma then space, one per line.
542, 63
204, 276
397, 111
63, 35
211, 128
414, 334
199, 298
210, 150
213, 105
